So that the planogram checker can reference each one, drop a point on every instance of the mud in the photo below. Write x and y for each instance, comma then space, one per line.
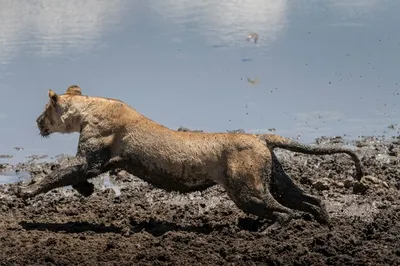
136, 224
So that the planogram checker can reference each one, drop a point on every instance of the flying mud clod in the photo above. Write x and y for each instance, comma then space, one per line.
253, 36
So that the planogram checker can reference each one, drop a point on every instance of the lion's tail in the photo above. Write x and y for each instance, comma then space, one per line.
275, 141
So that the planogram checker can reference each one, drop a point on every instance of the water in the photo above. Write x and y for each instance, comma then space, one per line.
324, 67
13, 176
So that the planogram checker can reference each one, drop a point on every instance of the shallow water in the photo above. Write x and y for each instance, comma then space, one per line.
13, 176
323, 67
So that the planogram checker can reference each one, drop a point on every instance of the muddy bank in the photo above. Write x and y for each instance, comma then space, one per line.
139, 225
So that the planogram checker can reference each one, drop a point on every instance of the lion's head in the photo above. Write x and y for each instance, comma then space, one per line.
59, 115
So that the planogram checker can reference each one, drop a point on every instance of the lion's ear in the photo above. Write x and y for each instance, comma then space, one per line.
53, 96
74, 89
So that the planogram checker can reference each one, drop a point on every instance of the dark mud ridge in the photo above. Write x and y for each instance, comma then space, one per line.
140, 225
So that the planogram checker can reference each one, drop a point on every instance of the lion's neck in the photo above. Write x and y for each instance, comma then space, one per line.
96, 114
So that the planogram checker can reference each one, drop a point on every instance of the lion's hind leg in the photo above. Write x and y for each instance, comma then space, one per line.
245, 185
290, 195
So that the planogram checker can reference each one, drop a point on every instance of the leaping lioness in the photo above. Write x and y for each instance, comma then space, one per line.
114, 135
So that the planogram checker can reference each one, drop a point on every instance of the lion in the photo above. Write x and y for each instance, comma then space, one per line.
113, 135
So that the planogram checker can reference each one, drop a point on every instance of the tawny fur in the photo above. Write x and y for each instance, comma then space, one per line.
113, 134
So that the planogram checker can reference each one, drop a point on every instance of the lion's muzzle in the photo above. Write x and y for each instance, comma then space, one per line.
40, 124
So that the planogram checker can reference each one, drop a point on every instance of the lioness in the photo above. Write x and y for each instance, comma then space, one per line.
114, 135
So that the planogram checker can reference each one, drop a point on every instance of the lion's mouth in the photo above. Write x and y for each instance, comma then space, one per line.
44, 132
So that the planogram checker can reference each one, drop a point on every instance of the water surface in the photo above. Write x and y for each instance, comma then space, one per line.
323, 67
13, 176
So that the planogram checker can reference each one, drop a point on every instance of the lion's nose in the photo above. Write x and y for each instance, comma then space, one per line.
39, 120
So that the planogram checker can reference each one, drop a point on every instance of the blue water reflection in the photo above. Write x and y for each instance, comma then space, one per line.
324, 67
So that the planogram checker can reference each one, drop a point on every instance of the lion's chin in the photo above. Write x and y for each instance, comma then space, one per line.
44, 133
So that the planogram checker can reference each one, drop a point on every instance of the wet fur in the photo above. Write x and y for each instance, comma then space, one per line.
114, 135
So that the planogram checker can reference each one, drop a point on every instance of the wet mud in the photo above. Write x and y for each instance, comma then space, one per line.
136, 224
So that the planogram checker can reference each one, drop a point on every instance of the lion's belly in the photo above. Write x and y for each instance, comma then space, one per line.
173, 163
172, 177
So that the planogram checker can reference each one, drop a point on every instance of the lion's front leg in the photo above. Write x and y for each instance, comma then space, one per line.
74, 175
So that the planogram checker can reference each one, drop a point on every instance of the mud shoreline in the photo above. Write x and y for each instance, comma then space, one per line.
136, 224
